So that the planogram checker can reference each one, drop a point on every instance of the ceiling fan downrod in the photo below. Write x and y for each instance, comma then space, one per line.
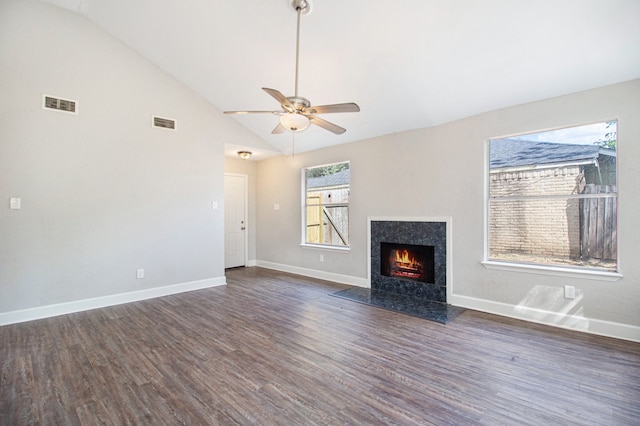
300, 6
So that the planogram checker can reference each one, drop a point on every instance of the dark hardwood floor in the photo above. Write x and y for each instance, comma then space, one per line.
273, 348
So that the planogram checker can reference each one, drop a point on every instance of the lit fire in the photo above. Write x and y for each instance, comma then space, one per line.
404, 262
402, 259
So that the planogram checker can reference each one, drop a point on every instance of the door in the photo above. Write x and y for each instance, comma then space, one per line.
235, 224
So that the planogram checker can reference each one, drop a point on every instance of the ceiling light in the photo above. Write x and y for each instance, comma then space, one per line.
245, 155
294, 121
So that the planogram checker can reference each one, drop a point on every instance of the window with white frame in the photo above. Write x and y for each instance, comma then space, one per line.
326, 205
553, 198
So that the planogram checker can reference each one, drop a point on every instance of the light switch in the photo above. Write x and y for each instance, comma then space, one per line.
14, 203
214, 205
276, 206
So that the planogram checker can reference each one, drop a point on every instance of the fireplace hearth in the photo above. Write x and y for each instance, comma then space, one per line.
408, 268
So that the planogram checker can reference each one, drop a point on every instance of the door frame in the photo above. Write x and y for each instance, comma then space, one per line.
245, 196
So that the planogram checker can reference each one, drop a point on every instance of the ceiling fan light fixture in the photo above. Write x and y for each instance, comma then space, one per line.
294, 121
297, 112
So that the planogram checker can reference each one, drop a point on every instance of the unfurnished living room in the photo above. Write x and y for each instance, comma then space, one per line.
294, 212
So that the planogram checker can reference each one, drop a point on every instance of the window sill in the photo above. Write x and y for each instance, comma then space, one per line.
553, 270
324, 247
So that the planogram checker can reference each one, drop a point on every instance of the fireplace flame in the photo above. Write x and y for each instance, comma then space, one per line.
402, 258
406, 261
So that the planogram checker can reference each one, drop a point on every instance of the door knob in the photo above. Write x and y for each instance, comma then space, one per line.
242, 228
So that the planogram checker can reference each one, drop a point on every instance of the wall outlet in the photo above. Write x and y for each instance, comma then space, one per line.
322, 258
569, 292
140, 273
276, 206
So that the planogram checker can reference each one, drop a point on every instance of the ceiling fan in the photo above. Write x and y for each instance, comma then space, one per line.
297, 112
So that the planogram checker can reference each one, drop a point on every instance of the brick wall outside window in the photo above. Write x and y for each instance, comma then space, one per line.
549, 227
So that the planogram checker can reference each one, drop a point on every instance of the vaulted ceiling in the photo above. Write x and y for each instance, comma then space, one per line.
408, 64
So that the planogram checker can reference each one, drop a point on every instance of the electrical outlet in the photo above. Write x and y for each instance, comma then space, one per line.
322, 258
569, 292
140, 273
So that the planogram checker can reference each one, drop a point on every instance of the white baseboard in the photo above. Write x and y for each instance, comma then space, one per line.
555, 319
251, 263
104, 301
314, 273
572, 322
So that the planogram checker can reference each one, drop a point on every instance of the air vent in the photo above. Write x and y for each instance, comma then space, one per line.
165, 123
65, 105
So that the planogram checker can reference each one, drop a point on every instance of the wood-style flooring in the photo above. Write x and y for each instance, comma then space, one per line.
276, 349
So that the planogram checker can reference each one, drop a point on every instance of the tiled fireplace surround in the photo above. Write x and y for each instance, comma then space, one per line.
424, 232
423, 300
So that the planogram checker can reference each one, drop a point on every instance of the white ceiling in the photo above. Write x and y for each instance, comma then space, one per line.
408, 64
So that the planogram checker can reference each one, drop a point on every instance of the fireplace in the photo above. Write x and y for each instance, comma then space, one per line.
421, 273
409, 267
407, 261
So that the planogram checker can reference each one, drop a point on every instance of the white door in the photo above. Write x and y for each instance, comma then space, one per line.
235, 224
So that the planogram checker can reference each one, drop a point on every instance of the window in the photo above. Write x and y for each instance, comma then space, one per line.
553, 198
326, 205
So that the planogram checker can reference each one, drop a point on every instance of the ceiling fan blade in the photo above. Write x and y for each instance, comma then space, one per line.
333, 128
253, 112
282, 99
327, 109
278, 129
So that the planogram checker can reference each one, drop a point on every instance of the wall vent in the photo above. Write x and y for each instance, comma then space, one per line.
65, 105
165, 123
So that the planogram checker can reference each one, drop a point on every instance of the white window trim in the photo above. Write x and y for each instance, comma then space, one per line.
303, 210
539, 269
556, 271
325, 247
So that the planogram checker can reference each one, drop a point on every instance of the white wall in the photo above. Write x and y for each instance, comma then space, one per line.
103, 193
440, 171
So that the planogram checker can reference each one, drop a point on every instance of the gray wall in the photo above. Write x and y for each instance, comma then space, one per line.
442, 171
103, 193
